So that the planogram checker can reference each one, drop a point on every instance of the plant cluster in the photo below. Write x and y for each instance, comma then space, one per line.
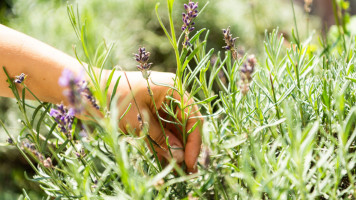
275, 127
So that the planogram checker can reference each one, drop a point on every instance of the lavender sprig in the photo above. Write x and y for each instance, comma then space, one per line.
188, 17
64, 118
47, 163
76, 88
142, 58
73, 85
246, 73
230, 42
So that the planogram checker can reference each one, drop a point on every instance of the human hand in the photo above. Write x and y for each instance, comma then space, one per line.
145, 105
44, 64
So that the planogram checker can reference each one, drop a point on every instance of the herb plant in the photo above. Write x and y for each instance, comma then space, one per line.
280, 126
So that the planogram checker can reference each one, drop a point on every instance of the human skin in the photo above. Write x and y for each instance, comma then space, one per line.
44, 64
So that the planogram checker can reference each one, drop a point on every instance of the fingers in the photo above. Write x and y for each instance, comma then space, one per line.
175, 137
193, 142
160, 145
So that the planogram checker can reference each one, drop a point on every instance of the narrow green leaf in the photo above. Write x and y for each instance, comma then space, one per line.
108, 82
23, 100
200, 66
164, 85
205, 101
191, 56
193, 127
105, 59
42, 118
35, 113
268, 125
162, 25
126, 111
113, 94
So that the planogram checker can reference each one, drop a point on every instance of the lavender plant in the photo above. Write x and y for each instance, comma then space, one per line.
280, 126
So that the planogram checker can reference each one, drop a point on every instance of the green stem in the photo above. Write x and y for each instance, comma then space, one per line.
213, 121
276, 105
17, 146
295, 24
139, 111
155, 154
296, 69
158, 117
84, 162
337, 21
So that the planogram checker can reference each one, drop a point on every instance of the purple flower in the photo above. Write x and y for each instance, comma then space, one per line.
83, 134
188, 17
249, 67
142, 58
64, 118
76, 88
81, 153
10, 141
246, 73
229, 40
68, 78
19, 79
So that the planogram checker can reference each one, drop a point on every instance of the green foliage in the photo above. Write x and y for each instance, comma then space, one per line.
286, 133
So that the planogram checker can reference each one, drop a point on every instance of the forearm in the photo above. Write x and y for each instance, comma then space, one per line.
41, 63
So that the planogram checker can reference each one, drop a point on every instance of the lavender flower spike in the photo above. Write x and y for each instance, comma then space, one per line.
76, 88
188, 17
230, 42
64, 118
142, 58
246, 72
68, 78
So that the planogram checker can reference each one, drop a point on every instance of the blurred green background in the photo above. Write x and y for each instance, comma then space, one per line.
130, 24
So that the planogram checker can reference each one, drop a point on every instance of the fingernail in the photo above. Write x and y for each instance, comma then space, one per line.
177, 153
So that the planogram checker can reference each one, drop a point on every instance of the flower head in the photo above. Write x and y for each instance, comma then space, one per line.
19, 79
38, 155
41, 158
76, 88
188, 18
10, 141
229, 40
64, 118
81, 153
142, 58
68, 78
246, 73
